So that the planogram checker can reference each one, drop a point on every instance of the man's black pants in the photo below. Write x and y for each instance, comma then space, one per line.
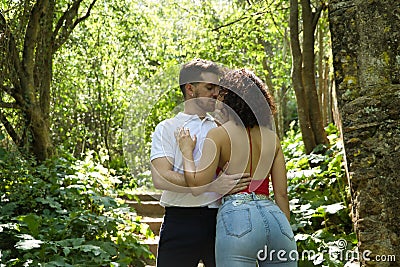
187, 236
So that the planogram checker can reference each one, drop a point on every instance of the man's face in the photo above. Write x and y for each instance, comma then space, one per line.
205, 93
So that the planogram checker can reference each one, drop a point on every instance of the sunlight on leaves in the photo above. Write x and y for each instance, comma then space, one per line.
28, 243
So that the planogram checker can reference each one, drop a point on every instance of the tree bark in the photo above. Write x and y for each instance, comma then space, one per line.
303, 75
310, 20
366, 53
320, 87
278, 117
297, 79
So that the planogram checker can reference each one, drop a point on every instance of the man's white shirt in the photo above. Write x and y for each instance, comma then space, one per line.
164, 144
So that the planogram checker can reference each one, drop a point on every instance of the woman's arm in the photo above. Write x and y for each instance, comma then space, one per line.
205, 172
279, 180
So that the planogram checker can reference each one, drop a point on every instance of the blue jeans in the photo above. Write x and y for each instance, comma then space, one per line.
253, 230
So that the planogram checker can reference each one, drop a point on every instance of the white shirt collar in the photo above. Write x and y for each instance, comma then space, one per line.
185, 116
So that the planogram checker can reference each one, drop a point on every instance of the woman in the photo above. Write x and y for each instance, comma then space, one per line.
250, 227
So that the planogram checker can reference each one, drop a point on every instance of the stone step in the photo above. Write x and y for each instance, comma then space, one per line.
154, 223
153, 244
147, 208
148, 196
142, 195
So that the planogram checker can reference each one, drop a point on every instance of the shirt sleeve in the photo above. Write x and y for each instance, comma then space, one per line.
163, 143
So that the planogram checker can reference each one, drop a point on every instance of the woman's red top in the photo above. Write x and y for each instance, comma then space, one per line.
256, 186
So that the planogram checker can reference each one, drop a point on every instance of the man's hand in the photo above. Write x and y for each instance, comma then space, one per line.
227, 184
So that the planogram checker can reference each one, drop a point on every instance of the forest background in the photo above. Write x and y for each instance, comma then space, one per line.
83, 84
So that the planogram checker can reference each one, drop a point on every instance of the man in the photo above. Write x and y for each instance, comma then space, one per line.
188, 231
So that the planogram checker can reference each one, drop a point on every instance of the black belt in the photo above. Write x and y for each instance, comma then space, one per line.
190, 210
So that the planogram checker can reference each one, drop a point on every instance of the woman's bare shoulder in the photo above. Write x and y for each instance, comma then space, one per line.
217, 132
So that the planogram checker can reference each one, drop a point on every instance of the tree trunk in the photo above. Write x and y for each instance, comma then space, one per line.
297, 79
41, 144
303, 75
39, 113
366, 50
309, 25
278, 117
320, 87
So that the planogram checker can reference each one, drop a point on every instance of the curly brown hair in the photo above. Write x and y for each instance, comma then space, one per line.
242, 94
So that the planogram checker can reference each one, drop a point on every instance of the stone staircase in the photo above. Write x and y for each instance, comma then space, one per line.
152, 214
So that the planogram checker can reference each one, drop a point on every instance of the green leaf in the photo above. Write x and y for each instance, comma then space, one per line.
74, 242
28, 242
58, 260
8, 209
333, 208
90, 248
32, 221
50, 201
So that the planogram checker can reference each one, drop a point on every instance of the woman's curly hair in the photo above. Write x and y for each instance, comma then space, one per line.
243, 88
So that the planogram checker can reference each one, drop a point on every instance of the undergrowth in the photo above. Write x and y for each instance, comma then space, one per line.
65, 212
319, 200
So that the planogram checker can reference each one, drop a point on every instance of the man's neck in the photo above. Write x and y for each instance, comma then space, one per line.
195, 111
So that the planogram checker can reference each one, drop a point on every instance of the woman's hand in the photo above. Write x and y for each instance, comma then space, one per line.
220, 113
185, 141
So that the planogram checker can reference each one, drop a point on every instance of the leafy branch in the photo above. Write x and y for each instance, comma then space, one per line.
67, 23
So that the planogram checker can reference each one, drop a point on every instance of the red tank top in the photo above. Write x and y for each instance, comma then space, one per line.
256, 186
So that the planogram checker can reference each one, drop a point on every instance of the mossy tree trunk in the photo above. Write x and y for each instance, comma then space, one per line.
366, 58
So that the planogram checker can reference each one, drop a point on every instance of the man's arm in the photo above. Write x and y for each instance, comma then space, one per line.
165, 178
161, 167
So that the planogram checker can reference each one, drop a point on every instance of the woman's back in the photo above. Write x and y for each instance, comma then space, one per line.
247, 150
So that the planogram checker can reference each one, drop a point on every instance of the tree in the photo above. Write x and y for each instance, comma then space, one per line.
30, 34
366, 51
324, 69
303, 73
96, 74
255, 35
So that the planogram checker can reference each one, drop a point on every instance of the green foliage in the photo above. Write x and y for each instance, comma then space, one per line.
65, 212
319, 199
109, 67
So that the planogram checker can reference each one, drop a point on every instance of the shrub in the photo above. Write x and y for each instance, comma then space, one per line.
319, 200
65, 212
